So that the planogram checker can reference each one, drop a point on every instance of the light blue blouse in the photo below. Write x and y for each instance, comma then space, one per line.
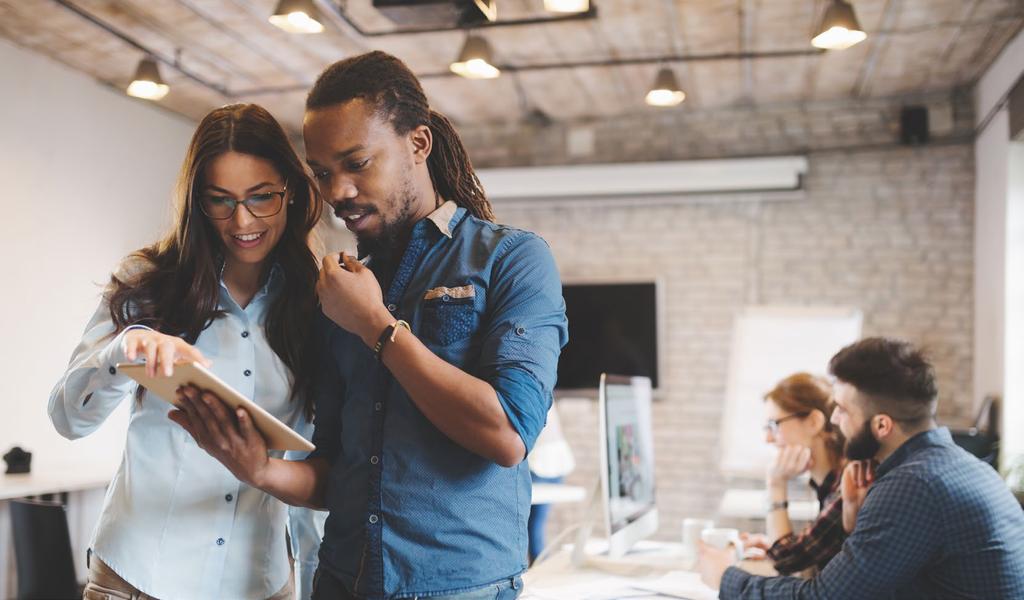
176, 523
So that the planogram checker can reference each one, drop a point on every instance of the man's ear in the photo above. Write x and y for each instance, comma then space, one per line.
882, 426
421, 140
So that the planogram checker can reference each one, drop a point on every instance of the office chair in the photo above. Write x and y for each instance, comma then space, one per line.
42, 549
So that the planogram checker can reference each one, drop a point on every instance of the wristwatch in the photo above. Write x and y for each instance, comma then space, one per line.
778, 505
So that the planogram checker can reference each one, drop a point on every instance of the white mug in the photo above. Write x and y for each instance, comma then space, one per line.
691, 536
722, 537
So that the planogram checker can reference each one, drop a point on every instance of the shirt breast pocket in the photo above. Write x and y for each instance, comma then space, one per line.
449, 314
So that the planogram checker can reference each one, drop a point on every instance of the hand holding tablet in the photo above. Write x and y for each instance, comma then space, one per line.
277, 435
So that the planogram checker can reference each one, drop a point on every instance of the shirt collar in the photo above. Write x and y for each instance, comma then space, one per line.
939, 436
827, 486
446, 217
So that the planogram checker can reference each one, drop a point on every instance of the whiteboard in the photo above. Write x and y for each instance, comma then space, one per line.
770, 343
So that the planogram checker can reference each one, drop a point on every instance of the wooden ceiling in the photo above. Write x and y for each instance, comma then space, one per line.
730, 52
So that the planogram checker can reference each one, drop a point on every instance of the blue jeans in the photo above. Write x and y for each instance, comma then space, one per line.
328, 587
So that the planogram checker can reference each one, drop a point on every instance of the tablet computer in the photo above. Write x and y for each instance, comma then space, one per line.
277, 435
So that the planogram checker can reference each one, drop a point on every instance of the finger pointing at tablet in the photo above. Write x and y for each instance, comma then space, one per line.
160, 351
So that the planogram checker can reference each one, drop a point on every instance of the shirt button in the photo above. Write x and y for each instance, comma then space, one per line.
377, 406
112, 371
245, 334
446, 298
220, 541
247, 372
374, 460
373, 519
520, 330
229, 498
392, 307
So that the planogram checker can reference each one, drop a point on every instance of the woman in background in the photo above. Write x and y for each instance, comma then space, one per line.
799, 409
232, 286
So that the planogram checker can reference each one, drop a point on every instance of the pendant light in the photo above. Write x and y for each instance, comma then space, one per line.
666, 90
147, 83
297, 16
567, 6
476, 60
839, 29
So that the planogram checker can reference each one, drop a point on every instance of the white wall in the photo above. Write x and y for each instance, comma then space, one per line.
999, 313
86, 176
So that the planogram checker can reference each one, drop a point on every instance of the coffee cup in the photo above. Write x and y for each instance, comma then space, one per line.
692, 529
722, 538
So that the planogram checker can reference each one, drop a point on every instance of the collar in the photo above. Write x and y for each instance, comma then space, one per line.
939, 436
446, 217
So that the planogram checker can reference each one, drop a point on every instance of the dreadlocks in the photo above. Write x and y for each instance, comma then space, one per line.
385, 81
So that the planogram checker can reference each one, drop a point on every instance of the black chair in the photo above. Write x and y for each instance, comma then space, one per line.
42, 550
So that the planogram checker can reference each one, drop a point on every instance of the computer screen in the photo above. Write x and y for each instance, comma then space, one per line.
627, 461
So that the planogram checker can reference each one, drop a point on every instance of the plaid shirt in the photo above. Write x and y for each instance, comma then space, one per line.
936, 523
819, 541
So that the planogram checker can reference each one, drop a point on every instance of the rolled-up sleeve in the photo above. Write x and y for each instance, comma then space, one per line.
525, 332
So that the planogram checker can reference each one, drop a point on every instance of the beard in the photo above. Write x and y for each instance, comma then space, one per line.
384, 246
862, 445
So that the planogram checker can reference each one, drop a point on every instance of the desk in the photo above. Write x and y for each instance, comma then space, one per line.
650, 570
557, 493
55, 479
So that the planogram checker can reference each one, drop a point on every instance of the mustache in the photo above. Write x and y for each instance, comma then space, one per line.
350, 206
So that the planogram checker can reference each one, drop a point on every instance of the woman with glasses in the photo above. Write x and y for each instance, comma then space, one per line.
232, 286
798, 410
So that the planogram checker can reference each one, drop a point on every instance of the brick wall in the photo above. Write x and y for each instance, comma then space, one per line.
881, 227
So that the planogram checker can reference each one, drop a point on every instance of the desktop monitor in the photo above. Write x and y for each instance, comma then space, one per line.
627, 461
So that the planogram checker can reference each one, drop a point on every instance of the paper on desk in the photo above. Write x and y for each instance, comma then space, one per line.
677, 584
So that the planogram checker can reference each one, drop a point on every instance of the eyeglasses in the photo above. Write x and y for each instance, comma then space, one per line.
772, 425
266, 204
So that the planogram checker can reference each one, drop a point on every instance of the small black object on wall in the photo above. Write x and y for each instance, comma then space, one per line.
914, 125
18, 460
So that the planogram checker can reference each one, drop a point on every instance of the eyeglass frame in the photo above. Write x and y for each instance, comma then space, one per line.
245, 203
772, 425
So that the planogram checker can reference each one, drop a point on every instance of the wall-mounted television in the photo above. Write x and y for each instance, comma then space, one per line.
613, 328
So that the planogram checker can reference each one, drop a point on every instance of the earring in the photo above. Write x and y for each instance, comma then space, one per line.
291, 202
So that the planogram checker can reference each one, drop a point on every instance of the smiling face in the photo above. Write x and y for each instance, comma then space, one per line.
365, 171
246, 239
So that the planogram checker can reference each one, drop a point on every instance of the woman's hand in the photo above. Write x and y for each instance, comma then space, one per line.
789, 462
229, 436
755, 540
160, 351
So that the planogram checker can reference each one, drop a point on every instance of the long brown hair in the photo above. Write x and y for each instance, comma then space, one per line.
177, 291
393, 89
803, 393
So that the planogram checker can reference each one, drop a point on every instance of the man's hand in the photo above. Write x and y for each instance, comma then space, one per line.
857, 479
229, 437
160, 351
790, 461
352, 298
713, 562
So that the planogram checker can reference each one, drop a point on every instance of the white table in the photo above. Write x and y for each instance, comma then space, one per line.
557, 493
649, 566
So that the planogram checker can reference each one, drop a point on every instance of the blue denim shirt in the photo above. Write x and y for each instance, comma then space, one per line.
936, 523
412, 513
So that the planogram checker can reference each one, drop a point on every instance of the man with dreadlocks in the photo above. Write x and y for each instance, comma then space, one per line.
439, 356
